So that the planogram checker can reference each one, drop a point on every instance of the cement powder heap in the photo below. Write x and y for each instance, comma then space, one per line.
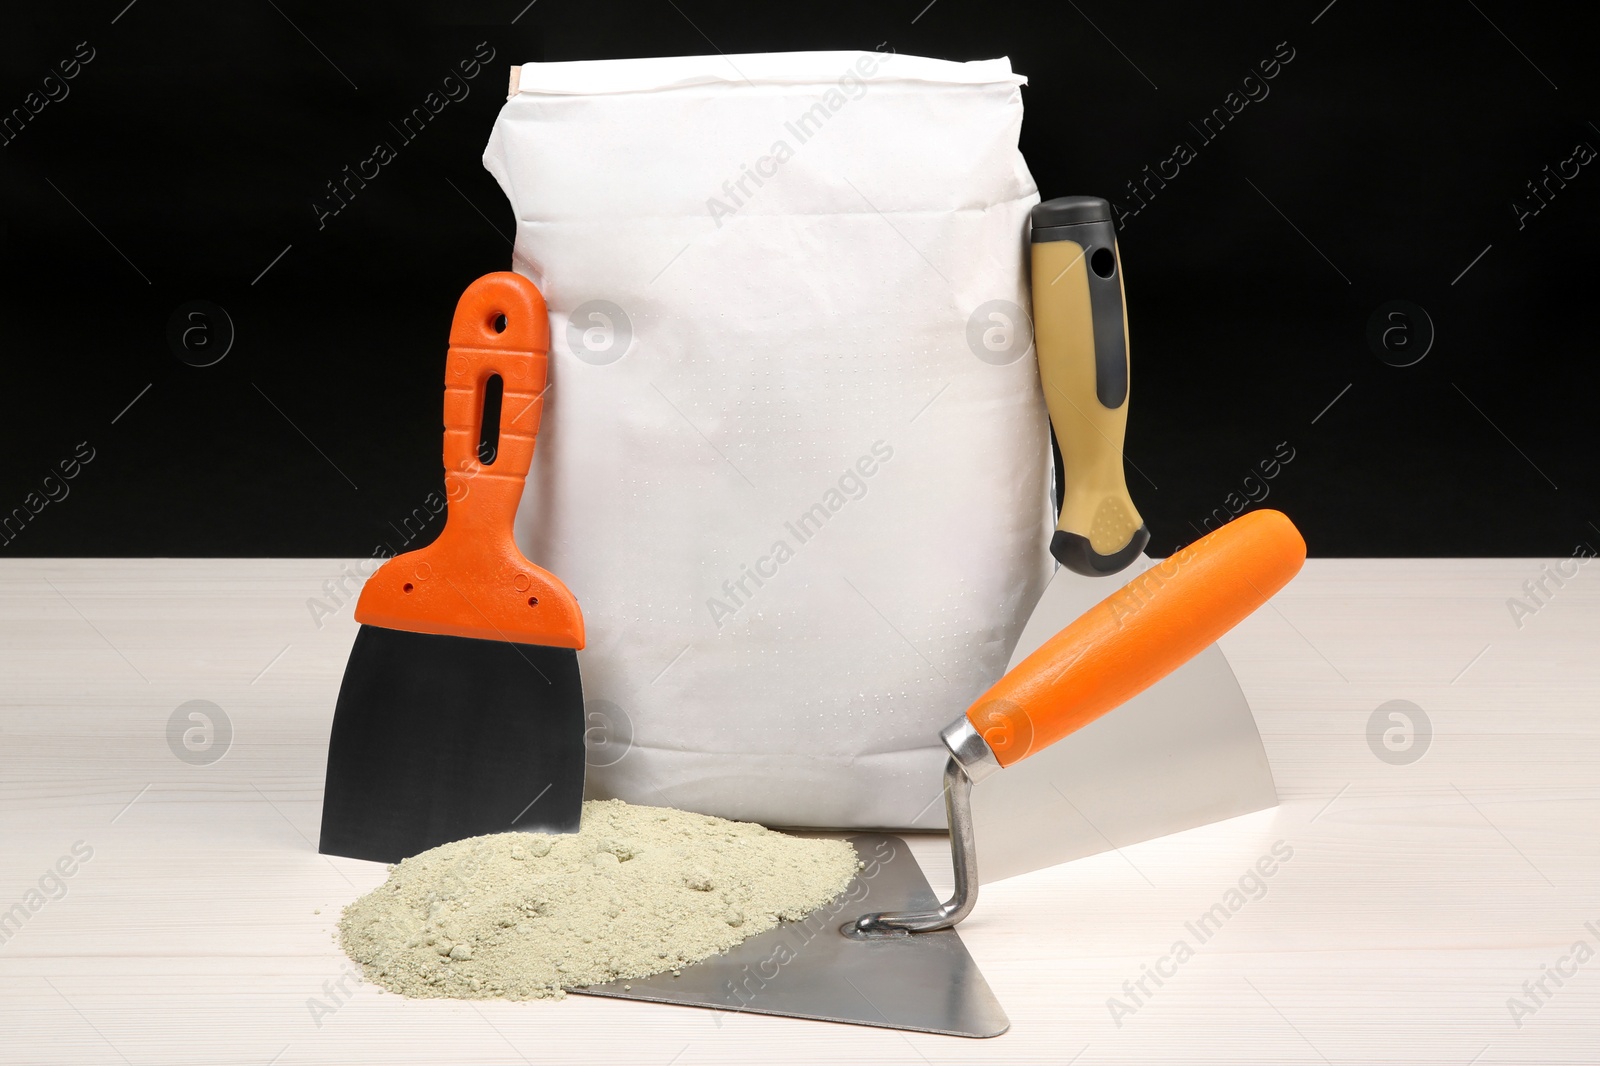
639, 891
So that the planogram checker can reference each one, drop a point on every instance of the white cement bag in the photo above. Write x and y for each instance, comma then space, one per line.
794, 460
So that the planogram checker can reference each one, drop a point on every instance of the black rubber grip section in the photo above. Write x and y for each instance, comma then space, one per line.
1098, 238
1070, 211
1073, 552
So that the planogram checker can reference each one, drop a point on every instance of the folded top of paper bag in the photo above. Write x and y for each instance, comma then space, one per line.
594, 76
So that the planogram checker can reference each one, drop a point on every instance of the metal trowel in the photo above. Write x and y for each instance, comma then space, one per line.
903, 966
1184, 753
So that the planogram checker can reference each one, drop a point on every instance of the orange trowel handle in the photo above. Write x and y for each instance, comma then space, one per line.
473, 581
1139, 634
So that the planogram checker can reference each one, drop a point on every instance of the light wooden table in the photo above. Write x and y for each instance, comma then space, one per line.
1418, 900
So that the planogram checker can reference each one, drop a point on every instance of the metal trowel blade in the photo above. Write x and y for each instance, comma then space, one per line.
809, 969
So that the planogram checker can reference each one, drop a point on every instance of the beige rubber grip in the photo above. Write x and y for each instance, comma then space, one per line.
1096, 506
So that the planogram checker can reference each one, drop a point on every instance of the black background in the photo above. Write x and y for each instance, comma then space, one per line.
1385, 160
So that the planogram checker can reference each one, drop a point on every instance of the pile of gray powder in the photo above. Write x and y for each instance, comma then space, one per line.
640, 890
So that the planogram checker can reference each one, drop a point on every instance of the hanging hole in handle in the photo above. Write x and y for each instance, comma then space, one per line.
1103, 262
498, 323
489, 422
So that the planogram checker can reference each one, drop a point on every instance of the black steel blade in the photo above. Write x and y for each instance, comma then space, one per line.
438, 738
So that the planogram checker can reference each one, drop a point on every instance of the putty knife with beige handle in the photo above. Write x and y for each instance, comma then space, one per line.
1184, 753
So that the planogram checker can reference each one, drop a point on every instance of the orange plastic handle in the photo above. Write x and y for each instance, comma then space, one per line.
473, 581
1139, 634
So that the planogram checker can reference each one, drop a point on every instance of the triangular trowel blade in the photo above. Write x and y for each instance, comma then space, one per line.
809, 969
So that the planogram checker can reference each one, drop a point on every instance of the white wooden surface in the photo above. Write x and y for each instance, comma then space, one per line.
1418, 900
